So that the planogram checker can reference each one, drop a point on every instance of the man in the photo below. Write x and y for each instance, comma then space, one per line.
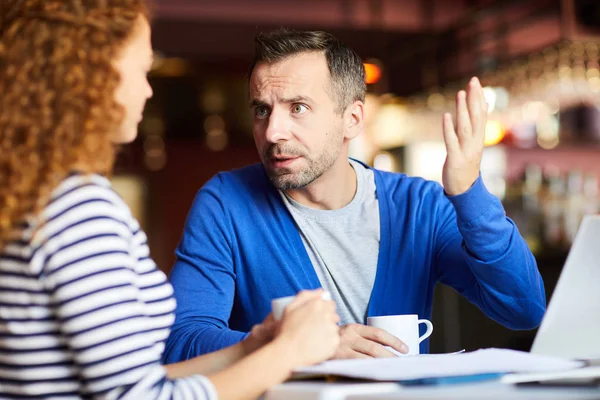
309, 217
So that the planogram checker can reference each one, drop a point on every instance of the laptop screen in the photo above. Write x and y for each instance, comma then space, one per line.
571, 325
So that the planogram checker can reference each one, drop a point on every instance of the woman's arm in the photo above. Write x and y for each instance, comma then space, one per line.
216, 361
207, 364
253, 375
308, 334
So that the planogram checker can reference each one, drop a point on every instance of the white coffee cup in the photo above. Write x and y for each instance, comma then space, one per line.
405, 328
278, 305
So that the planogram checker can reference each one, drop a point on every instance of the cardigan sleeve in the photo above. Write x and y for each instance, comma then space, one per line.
480, 252
204, 280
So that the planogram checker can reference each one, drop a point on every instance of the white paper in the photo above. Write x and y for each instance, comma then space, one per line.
583, 374
442, 365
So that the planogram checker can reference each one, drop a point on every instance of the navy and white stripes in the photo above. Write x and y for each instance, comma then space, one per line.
84, 311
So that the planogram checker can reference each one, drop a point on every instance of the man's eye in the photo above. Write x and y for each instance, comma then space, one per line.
299, 109
261, 111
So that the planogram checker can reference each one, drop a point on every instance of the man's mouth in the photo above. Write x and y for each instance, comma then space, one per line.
282, 161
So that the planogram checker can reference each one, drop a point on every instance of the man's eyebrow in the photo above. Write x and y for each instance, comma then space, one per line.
295, 99
298, 99
257, 103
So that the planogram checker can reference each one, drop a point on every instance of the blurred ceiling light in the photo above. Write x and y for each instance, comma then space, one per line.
157, 61
153, 125
213, 100
564, 72
372, 73
524, 135
391, 127
502, 98
214, 122
496, 98
436, 102
217, 140
425, 159
547, 144
490, 98
493, 170
533, 110
553, 106
595, 84
384, 162
494, 133
171, 67
155, 156
548, 127
548, 132
372, 105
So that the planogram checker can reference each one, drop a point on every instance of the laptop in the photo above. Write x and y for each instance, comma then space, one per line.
571, 326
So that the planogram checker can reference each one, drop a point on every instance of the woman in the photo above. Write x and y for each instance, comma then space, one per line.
84, 312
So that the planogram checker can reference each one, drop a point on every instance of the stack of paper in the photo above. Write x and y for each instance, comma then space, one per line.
487, 361
580, 375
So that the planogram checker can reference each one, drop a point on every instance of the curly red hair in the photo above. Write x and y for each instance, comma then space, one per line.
57, 103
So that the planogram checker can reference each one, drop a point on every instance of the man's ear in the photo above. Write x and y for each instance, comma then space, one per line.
354, 118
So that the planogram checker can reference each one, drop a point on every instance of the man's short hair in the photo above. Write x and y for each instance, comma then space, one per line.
345, 66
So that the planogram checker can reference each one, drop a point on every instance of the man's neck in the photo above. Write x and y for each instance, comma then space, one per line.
331, 191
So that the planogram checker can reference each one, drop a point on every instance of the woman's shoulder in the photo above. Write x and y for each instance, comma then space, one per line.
90, 191
83, 202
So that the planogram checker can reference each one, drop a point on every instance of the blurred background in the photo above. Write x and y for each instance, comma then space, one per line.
538, 61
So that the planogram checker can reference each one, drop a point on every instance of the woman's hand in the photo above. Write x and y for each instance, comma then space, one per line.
309, 328
260, 334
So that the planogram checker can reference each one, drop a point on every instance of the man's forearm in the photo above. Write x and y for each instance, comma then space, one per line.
190, 340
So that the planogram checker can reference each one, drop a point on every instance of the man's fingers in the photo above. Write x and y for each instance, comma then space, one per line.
347, 353
450, 137
372, 349
474, 103
382, 337
360, 341
477, 107
463, 122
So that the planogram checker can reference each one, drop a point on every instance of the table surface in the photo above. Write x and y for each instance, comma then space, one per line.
319, 390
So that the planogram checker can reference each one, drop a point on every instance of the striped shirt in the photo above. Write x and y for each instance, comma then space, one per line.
84, 311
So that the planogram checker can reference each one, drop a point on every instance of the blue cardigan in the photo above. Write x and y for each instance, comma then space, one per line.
241, 248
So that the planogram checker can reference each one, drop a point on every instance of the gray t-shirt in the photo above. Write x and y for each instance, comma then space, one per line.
343, 245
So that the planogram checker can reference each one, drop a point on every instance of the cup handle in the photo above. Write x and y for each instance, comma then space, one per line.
429, 330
